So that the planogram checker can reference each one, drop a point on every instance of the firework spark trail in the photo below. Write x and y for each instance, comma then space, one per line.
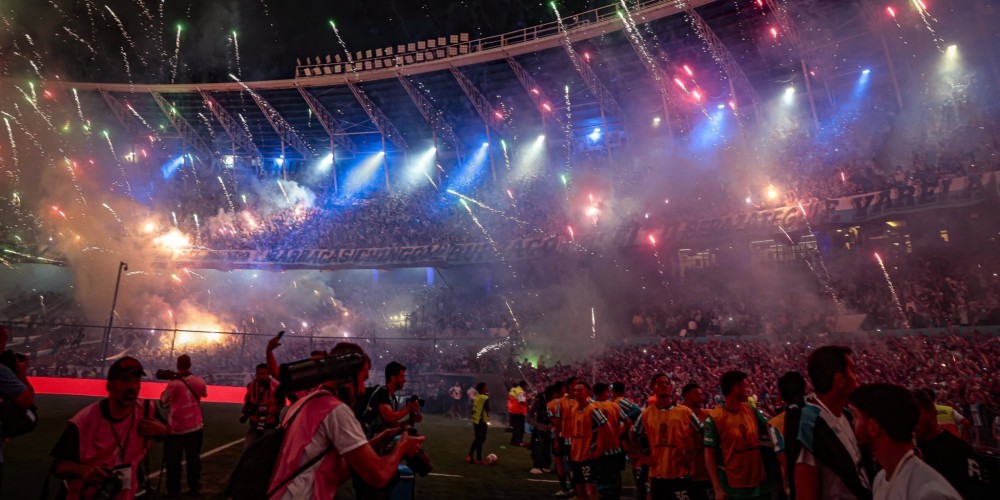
141, 119
13, 152
128, 68
487, 207
79, 108
72, 173
282, 188
122, 28
350, 58
431, 180
928, 22
80, 39
506, 156
892, 289
568, 133
34, 104
232, 208
197, 229
490, 239
177, 56
593, 324
174, 216
236, 48
117, 218
827, 283
121, 168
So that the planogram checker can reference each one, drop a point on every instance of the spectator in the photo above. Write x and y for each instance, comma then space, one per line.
480, 423
952, 457
829, 465
517, 408
886, 418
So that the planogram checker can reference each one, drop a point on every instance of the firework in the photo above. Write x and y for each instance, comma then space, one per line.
177, 56
236, 49
593, 324
232, 208
892, 290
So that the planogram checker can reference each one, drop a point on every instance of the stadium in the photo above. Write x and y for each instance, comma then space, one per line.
497, 192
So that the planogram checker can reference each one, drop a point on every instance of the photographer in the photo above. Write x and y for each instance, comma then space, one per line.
261, 405
381, 411
100, 452
183, 397
14, 386
329, 439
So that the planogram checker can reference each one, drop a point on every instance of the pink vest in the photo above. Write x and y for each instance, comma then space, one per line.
185, 408
103, 443
331, 470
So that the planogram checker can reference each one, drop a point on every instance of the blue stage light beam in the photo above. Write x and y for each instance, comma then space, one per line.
362, 174
171, 167
530, 161
421, 168
325, 163
472, 170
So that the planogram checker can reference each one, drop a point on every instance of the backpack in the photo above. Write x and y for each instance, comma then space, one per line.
251, 478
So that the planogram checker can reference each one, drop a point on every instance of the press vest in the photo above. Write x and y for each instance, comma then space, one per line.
106, 444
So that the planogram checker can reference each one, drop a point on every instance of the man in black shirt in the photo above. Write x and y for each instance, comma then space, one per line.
948, 454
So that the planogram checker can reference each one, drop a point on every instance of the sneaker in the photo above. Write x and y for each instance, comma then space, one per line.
535, 471
546, 470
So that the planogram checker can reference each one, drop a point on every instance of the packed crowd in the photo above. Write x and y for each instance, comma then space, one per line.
961, 368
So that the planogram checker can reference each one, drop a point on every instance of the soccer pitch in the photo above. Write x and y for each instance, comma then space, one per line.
27, 458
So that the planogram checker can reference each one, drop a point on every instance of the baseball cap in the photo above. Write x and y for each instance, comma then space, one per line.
125, 367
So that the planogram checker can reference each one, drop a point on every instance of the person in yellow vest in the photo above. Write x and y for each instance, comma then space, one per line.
951, 420
611, 464
591, 438
480, 423
693, 396
668, 436
734, 435
563, 419
517, 409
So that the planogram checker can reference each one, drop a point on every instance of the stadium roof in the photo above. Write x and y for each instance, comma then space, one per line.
597, 35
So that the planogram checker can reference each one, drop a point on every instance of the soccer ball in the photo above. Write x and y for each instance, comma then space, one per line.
492, 459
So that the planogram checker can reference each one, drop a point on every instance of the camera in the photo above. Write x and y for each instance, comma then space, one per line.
419, 463
10, 359
167, 375
308, 373
420, 402
111, 486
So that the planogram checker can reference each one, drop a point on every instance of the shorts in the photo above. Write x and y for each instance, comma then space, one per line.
610, 465
563, 450
675, 489
583, 472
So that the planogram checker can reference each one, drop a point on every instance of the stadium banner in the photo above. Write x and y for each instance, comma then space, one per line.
948, 193
758, 222
439, 255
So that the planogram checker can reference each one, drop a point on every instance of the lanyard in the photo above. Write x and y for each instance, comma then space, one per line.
123, 448
261, 392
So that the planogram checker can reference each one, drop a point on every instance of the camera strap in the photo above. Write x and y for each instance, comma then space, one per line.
196, 398
314, 460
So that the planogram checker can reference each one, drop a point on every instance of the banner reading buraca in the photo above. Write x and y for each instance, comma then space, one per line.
947, 193
442, 255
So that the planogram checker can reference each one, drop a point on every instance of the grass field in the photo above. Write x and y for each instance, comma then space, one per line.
27, 459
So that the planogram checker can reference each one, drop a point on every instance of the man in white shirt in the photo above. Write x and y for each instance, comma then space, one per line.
183, 397
886, 415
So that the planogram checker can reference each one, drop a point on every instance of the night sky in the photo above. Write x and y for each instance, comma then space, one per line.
81, 40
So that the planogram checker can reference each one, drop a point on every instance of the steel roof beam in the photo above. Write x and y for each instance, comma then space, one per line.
433, 116
534, 91
378, 118
125, 116
481, 103
183, 128
738, 80
240, 137
329, 123
281, 126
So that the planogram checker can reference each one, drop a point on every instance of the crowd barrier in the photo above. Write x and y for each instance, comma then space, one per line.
149, 390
